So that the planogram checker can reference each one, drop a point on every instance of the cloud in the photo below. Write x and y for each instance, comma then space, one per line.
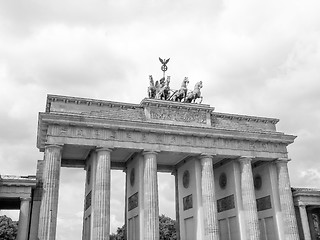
115, 223
254, 58
310, 177
59, 57
166, 191
26, 19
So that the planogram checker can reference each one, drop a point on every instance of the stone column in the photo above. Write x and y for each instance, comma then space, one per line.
211, 228
101, 195
50, 194
286, 201
304, 221
150, 198
24, 219
126, 205
249, 203
176, 183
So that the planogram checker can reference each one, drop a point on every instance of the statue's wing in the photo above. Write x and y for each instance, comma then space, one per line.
167, 61
161, 60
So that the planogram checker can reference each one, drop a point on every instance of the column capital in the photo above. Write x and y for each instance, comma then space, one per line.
25, 199
145, 152
60, 146
206, 155
282, 160
99, 149
245, 159
302, 204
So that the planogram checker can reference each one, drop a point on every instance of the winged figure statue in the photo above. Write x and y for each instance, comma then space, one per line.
164, 61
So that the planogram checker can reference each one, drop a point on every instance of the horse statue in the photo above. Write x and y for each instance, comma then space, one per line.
164, 89
180, 94
151, 89
192, 96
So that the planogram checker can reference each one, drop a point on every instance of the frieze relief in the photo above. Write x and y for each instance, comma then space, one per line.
178, 116
163, 138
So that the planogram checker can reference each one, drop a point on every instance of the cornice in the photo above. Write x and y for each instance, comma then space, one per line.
305, 192
157, 116
87, 101
20, 181
245, 117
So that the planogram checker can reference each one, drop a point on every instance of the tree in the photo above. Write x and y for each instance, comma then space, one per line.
8, 228
120, 235
167, 230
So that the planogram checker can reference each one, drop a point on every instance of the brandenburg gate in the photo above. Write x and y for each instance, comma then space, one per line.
231, 175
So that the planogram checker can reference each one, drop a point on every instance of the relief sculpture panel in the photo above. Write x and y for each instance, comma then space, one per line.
179, 116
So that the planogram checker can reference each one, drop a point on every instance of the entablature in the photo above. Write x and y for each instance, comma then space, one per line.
20, 181
157, 124
149, 127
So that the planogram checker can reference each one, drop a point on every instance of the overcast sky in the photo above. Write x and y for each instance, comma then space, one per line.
258, 58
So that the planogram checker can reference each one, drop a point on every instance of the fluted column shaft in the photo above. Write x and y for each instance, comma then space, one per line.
249, 199
304, 221
150, 198
211, 228
23, 219
50, 194
286, 201
101, 196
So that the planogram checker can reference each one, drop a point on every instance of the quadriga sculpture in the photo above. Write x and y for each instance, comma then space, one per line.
151, 89
161, 90
181, 94
164, 90
196, 93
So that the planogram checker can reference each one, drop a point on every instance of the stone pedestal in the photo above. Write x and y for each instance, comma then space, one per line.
150, 198
286, 201
304, 221
249, 200
101, 196
24, 219
50, 194
211, 229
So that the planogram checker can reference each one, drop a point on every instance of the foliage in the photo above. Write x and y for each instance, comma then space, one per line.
8, 228
120, 235
167, 230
